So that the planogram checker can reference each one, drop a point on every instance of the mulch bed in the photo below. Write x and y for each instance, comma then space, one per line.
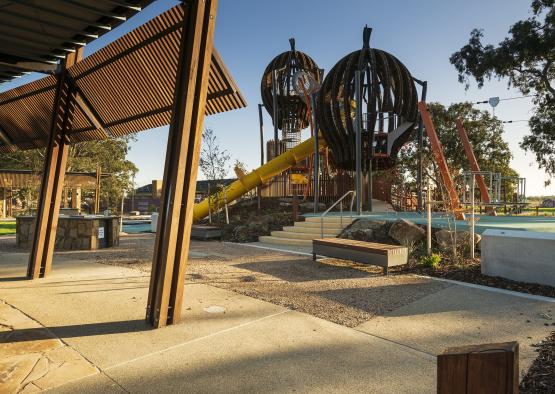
470, 272
541, 375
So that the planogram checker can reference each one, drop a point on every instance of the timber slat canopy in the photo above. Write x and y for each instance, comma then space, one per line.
36, 34
109, 85
26, 178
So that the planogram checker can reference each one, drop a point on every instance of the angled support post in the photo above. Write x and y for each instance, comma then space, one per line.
474, 165
165, 294
40, 258
437, 151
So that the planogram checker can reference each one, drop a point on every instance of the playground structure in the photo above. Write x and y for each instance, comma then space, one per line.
360, 137
356, 138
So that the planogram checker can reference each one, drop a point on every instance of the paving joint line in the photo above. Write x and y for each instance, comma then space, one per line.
397, 343
176, 346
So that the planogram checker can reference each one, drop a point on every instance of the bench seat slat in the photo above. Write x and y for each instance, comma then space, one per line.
363, 246
373, 253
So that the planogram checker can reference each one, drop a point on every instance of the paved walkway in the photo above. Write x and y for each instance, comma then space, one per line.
233, 343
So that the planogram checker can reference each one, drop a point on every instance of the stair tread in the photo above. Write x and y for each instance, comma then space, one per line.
289, 234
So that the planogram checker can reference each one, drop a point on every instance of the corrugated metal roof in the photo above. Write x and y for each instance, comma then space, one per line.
36, 34
26, 178
127, 86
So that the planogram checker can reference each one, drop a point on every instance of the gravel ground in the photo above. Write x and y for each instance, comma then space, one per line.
335, 290
541, 375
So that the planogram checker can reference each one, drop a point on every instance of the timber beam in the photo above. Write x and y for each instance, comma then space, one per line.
40, 258
181, 166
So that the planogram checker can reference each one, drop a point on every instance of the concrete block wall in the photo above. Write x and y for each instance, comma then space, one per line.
524, 256
72, 233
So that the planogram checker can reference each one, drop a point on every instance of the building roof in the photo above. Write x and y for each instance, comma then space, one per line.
202, 185
26, 178
36, 34
109, 86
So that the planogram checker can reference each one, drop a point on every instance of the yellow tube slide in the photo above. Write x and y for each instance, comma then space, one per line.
262, 174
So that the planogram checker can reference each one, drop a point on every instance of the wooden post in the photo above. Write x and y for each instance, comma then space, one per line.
4, 205
490, 368
48, 209
180, 173
97, 191
9, 208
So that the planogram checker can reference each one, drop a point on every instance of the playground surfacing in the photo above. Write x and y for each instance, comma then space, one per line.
440, 220
97, 310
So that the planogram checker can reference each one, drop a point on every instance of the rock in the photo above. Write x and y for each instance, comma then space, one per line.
309, 206
406, 233
247, 202
360, 235
250, 232
368, 230
446, 239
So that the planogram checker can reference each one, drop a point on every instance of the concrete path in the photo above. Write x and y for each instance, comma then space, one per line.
237, 344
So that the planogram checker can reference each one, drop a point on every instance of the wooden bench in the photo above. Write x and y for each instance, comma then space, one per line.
382, 255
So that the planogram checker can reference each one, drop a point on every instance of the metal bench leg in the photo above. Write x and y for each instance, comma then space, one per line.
385, 271
313, 256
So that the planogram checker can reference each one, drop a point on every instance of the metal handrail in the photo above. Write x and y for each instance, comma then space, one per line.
340, 210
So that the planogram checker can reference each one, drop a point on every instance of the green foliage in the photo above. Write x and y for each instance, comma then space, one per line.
7, 228
484, 132
527, 59
109, 155
431, 261
541, 140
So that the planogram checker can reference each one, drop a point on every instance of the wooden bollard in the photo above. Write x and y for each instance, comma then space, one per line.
489, 368
295, 204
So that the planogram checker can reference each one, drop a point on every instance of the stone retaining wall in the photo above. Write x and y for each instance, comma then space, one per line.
73, 233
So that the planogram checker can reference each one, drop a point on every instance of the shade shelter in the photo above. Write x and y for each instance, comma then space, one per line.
164, 72
19, 179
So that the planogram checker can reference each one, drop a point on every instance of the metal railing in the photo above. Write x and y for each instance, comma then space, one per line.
340, 200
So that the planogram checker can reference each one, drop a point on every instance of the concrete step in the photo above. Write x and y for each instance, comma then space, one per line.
312, 230
317, 225
329, 219
285, 241
287, 234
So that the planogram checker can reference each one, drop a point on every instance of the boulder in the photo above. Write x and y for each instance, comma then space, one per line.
309, 206
368, 230
406, 233
446, 239
359, 235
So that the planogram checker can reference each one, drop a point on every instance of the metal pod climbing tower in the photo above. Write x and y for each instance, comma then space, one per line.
287, 108
372, 90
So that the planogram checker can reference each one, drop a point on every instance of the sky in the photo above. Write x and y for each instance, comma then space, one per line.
422, 34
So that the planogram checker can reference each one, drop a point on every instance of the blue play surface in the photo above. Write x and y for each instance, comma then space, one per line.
440, 220
138, 227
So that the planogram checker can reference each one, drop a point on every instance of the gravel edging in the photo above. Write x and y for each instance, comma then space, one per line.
540, 378
471, 273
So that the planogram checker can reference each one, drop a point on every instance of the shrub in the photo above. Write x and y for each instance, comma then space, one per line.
431, 261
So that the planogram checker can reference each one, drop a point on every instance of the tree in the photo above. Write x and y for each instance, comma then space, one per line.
108, 154
527, 59
485, 133
214, 161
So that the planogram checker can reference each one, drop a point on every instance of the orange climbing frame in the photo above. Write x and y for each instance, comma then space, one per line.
437, 151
